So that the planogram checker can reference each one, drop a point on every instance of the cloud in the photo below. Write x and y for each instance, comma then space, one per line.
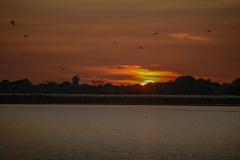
155, 65
231, 1
124, 67
124, 74
185, 36
141, 73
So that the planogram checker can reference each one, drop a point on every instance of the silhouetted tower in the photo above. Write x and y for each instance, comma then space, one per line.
75, 80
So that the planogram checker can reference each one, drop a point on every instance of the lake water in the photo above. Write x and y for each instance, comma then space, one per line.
79, 132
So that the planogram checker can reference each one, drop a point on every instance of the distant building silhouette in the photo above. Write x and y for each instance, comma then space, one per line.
75, 80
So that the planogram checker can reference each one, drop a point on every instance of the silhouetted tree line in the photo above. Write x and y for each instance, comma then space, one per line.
183, 85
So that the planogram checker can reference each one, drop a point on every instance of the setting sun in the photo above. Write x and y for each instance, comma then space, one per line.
146, 82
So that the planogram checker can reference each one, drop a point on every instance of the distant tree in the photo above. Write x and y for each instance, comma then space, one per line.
98, 82
132, 89
19, 86
65, 87
185, 79
204, 87
52, 87
109, 88
181, 85
233, 88
149, 88
66, 83
236, 82
4, 82
166, 88
85, 89
47, 87
184, 85
4, 85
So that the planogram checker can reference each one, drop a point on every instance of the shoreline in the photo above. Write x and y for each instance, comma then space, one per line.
202, 100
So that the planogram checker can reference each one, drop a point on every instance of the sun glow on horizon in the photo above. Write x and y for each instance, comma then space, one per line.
132, 74
146, 82
115, 74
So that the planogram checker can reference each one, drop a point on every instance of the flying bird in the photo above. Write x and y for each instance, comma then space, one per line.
12, 23
114, 42
154, 33
140, 48
63, 68
208, 31
25, 35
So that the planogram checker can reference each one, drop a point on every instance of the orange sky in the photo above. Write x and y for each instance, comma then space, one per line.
79, 34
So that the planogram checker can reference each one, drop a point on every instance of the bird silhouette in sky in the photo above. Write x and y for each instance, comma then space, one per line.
140, 48
114, 42
63, 68
154, 33
208, 31
12, 23
25, 35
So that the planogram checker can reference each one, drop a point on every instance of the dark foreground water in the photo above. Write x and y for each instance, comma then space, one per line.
75, 132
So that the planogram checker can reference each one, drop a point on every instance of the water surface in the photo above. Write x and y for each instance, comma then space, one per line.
119, 132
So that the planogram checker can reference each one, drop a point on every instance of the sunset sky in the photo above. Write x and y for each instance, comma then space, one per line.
78, 35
